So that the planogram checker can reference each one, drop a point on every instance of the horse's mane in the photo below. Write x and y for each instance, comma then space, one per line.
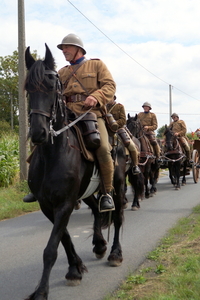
36, 74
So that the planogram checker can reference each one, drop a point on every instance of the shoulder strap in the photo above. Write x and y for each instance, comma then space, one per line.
112, 108
73, 72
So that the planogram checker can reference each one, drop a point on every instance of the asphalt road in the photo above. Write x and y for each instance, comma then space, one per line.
24, 238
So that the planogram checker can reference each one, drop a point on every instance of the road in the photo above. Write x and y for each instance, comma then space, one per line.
24, 238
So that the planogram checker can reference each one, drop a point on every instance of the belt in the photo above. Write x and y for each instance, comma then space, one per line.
76, 98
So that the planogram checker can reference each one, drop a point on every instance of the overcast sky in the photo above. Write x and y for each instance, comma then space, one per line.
146, 44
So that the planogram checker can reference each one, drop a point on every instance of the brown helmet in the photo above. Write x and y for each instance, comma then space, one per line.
147, 104
174, 115
72, 39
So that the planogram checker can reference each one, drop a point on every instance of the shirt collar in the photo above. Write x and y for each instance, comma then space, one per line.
77, 61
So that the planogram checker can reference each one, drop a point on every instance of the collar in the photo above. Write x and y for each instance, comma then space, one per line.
75, 62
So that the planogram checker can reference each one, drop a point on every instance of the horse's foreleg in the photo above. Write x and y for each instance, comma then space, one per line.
98, 239
115, 258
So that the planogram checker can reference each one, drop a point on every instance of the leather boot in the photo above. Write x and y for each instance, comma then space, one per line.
29, 198
134, 158
106, 202
157, 152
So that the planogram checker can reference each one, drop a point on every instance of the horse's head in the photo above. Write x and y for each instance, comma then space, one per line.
134, 125
41, 86
169, 139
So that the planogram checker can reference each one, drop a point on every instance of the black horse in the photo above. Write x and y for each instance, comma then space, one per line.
59, 174
175, 158
148, 163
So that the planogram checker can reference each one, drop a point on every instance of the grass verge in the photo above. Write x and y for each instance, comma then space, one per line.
11, 204
171, 271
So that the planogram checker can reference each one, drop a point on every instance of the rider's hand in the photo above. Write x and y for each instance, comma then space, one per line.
90, 101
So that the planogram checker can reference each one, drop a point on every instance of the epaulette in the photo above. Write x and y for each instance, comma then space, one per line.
120, 104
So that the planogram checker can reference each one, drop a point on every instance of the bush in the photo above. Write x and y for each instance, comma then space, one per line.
9, 158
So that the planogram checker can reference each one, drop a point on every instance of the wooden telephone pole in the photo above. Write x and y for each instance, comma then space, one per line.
23, 122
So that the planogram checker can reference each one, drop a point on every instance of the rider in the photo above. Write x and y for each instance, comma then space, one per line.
179, 129
92, 85
118, 112
149, 123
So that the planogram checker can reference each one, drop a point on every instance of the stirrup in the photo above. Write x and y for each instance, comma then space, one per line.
106, 203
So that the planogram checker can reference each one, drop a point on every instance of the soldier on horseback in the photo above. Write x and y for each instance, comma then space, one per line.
179, 129
118, 112
149, 123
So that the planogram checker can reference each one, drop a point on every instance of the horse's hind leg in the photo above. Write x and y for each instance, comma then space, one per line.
98, 240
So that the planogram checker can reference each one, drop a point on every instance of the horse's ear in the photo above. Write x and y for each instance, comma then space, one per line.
165, 126
29, 60
136, 116
49, 60
128, 116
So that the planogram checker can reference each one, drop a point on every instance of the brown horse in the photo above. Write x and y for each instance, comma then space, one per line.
59, 175
148, 163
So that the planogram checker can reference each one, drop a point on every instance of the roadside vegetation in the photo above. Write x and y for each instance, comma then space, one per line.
171, 271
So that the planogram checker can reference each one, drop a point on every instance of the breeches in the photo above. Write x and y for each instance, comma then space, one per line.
184, 143
103, 152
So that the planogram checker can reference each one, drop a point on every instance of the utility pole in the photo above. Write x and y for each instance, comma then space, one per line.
23, 122
170, 103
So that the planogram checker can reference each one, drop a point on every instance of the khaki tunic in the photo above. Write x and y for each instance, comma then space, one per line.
97, 80
118, 112
179, 127
148, 119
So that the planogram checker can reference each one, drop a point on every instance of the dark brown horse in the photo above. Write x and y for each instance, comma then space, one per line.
59, 175
148, 163
175, 158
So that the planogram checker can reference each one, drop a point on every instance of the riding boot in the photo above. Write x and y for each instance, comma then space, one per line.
106, 202
157, 152
134, 159
29, 198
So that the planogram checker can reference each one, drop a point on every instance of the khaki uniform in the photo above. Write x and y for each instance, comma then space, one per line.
98, 82
149, 119
180, 127
118, 112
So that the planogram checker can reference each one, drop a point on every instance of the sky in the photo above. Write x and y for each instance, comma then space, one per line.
149, 46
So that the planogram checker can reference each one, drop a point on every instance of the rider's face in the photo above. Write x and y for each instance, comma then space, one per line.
175, 119
69, 52
146, 108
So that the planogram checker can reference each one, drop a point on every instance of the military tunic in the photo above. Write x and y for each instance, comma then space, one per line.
148, 119
118, 112
179, 127
96, 79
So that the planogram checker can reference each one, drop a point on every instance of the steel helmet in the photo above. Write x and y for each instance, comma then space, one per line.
174, 115
72, 39
146, 104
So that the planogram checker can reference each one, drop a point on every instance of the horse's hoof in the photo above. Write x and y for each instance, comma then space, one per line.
125, 206
114, 263
134, 208
73, 282
100, 256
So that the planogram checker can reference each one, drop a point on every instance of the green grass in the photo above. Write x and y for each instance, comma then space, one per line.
172, 270
11, 204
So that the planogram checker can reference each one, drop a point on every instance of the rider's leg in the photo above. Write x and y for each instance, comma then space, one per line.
106, 168
134, 154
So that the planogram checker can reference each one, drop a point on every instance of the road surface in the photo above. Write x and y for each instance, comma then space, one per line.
24, 238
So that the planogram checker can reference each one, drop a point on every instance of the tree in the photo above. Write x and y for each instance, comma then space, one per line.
160, 132
9, 88
9, 104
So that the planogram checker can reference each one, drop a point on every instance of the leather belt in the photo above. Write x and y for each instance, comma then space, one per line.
76, 98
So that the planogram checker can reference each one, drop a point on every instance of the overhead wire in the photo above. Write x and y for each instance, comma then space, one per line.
129, 54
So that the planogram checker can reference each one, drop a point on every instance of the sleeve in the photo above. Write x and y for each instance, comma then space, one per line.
122, 117
107, 87
183, 129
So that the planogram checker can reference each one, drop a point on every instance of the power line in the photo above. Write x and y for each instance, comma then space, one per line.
127, 53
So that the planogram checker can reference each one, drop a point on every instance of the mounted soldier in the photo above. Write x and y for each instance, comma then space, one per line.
179, 129
118, 112
150, 124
